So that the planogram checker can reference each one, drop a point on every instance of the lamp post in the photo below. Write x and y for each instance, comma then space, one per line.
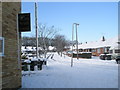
76, 39
72, 42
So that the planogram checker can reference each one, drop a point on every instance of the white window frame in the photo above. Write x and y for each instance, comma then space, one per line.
2, 53
105, 49
98, 50
94, 50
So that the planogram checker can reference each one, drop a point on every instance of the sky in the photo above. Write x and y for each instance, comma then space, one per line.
96, 19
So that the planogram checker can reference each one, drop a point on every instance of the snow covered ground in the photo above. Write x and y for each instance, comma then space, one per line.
85, 73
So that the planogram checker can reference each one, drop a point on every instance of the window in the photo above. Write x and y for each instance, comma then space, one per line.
1, 46
111, 51
98, 50
90, 50
94, 50
105, 50
80, 50
117, 51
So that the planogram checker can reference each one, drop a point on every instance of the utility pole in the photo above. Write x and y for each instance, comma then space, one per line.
77, 39
36, 27
72, 44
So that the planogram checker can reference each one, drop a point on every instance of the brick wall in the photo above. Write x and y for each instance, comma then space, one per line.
101, 51
0, 36
11, 74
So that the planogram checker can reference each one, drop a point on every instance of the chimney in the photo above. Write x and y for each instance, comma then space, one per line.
103, 38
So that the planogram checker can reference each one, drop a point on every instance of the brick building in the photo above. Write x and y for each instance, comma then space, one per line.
97, 47
9, 49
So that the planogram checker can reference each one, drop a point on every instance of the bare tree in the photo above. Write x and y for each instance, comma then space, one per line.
28, 41
46, 34
60, 42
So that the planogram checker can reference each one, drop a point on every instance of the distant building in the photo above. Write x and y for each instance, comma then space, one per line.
97, 47
10, 75
115, 50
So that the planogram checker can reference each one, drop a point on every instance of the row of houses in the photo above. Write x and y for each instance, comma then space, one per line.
96, 48
100, 46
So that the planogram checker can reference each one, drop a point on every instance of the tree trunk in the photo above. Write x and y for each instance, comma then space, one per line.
45, 53
58, 53
61, 53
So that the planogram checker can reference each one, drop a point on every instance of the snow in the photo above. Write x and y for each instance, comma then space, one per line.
102, 54
27, 61
108, 54
43, 59
51, 48
34, 59
98, 44
85, 73
30, 48
38, 59
115, 46
84, 52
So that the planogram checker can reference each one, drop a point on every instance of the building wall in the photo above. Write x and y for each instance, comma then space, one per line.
98, 51
11, 73
0, 36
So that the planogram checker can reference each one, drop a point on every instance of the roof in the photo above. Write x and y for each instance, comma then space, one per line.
98, 44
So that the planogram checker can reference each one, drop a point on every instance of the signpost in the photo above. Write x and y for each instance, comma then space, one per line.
36, 27
23, 25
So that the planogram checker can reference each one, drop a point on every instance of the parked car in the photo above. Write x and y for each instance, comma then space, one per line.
118, 59
105, 56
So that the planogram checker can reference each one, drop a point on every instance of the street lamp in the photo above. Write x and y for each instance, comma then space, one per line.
72, 44
72, 41
76, 39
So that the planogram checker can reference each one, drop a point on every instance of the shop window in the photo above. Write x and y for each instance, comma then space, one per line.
1, 46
